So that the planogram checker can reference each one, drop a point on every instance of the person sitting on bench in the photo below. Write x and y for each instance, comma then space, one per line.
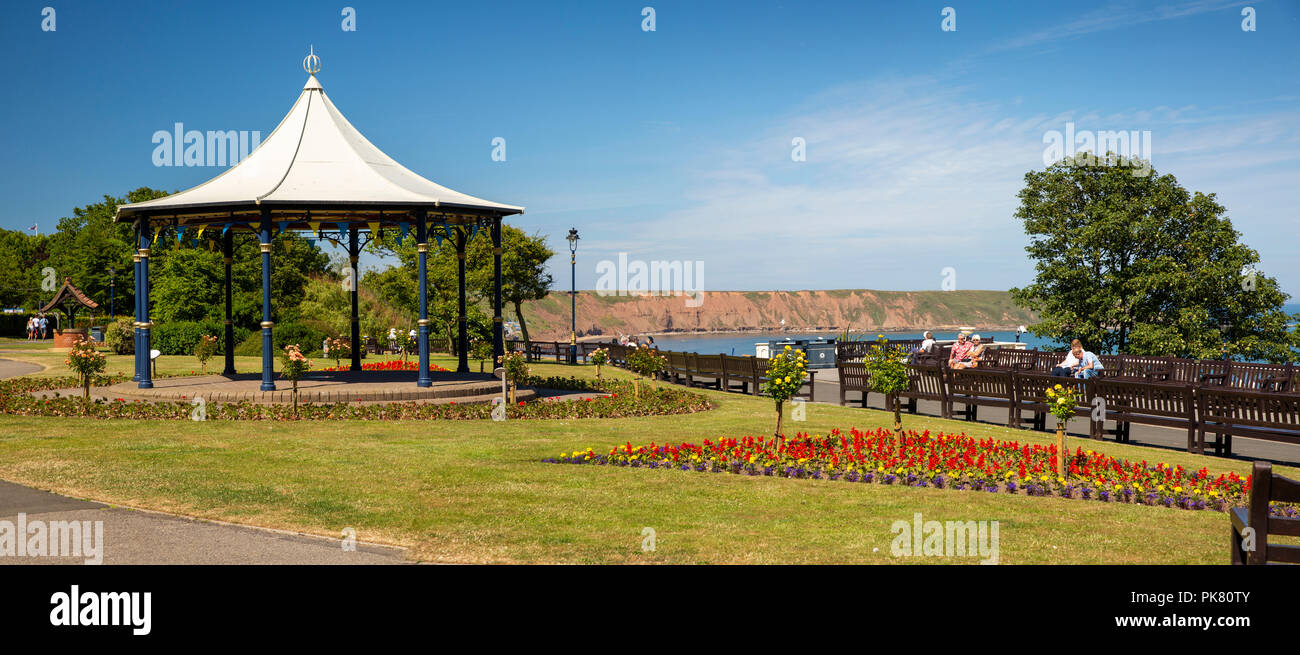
960, 351
973, 356
1066, 368
1089, 365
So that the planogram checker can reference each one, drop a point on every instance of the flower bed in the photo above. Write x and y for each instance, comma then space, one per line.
943, 461
612, 399
390, 365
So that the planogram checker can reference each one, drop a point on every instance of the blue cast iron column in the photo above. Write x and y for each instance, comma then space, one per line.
354, 258
135, 324
228, 253
498, 327
268, 347
422, 248
146, 343
462, 339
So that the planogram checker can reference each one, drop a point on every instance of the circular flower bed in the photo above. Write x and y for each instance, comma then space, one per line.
610, 399
942, 461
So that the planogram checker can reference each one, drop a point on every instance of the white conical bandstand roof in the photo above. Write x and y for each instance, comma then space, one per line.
314, 158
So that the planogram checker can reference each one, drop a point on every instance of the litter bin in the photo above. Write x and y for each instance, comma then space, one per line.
820, 353
97, 334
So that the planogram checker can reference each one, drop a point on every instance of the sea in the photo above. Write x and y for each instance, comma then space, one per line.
742, 343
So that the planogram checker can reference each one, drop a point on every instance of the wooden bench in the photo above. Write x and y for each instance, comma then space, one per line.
1265, 487
679, 366
1030, 389
853, 377
1254, 414
925, 381
1167, 404
740, 374
977, 388
707, 366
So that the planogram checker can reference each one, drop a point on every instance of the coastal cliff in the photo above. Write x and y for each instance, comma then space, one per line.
730, 311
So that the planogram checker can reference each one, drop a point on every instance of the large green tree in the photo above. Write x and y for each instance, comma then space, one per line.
523, 278
1136, 264
186, 278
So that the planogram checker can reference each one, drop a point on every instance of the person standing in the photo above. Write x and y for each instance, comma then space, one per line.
44, 326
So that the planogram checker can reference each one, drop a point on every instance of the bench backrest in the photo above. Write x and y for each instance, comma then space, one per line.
1031, 388
853, 375
1248, 408
738, 367
1266, 487
925, 381
1262, 377
976, 382
1168, 399
708, 364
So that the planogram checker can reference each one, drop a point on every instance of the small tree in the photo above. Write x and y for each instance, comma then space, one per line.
340, 349
646, 362
785, 374
887, 369
204, 350
294, 365
516, 368
86, 362
599, 357
1062, 399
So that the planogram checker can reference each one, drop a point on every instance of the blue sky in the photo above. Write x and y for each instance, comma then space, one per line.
676, 144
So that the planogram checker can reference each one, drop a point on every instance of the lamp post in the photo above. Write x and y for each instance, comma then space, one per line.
112, 280
573, 295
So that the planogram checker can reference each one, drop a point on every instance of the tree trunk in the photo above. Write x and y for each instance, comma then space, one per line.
898, 416
295, 398
778, 419
598, 371
1060, 448
523, 327
85, 386
512, 393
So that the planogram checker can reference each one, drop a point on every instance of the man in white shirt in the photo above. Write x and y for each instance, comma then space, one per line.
1066, 368
927, 345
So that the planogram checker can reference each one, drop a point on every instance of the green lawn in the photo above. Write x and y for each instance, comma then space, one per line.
462, 491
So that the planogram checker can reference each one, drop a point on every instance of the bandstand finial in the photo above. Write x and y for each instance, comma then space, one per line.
311, 63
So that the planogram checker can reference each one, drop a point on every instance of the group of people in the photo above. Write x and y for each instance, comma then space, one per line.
38, 327
631, 340
968, 352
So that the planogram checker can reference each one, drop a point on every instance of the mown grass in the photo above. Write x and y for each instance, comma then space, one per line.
469, 491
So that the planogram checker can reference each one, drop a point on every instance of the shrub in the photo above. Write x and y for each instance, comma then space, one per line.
86, 362
204, 350
119, 336
181, 337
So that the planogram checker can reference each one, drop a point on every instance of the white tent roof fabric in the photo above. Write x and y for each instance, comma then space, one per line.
315, 156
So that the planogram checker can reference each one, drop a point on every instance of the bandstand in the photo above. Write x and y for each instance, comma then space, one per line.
316, 173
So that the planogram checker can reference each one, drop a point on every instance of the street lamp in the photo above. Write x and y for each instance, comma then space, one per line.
573, 295
112, 274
